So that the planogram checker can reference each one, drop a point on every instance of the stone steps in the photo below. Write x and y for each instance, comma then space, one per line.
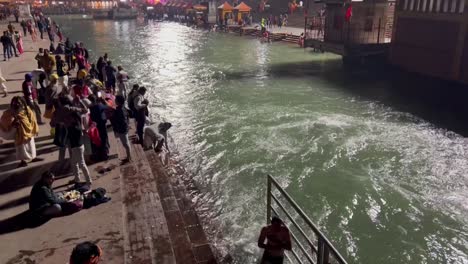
146, 232
189, 240
160, 222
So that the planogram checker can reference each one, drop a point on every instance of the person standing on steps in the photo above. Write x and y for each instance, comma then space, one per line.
24, 26
98, 115
110, 77
30, 96
12, 45
40, 26
20, 118
6, 46
120, 125
141, 111
75, 138
122, 78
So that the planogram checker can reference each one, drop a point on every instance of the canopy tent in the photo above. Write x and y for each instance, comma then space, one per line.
241, 9
224, 9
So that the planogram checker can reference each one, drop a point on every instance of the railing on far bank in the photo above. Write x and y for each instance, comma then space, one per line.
309, 246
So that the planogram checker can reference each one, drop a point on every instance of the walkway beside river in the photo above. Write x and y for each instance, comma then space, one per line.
149, 219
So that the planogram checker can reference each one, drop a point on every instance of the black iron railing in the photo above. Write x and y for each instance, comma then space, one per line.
310, 245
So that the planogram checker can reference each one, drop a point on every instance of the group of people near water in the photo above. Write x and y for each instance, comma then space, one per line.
78, 109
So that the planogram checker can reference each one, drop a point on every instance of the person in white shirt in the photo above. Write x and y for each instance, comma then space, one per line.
155, 136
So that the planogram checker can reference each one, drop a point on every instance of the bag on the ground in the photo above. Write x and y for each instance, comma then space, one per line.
71, 207
95, 197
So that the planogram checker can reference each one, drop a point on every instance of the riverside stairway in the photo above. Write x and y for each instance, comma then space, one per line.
160, 222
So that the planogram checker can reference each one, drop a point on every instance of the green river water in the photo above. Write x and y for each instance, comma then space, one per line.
383, 184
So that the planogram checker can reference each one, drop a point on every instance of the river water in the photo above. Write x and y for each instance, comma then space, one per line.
383, 184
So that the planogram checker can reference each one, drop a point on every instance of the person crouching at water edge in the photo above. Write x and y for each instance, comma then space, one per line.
19, 123
155, 136
278, 240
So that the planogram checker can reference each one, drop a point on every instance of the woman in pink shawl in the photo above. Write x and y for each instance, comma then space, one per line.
19, 42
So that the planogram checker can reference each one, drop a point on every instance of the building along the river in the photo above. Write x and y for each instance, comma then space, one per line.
430, 37
353, 30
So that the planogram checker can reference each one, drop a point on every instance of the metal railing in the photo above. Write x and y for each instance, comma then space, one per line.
317, 248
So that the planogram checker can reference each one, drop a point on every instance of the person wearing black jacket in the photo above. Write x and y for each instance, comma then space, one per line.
6, 46
119, 122
42, 199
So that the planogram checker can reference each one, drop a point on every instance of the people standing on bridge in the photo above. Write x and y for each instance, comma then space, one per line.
277, 239
141, 111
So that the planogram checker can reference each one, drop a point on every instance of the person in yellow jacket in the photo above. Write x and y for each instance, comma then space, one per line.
21, 118
47, 63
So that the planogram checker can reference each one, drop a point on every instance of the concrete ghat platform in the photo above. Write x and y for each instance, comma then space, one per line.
148, 220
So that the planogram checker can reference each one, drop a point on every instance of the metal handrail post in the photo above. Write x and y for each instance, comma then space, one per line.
268, 199
320, 251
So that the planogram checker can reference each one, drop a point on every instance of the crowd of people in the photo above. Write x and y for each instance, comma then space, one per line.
78, 109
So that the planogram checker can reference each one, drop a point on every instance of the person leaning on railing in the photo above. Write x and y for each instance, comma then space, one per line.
278, 240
